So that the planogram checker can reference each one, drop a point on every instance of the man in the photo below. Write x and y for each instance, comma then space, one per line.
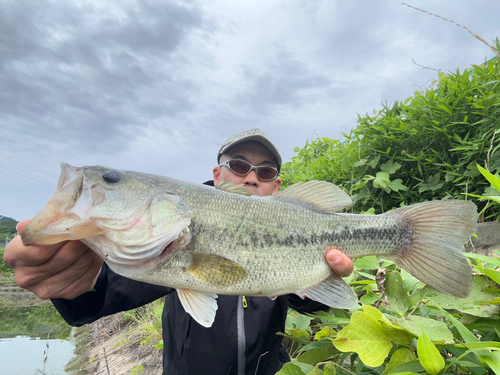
242, 339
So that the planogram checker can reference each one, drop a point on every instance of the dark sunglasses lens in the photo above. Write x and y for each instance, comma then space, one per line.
265, 173
239, 166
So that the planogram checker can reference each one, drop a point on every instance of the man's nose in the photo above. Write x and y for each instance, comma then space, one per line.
251, 178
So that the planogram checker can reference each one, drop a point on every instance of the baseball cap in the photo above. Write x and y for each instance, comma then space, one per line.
255, 135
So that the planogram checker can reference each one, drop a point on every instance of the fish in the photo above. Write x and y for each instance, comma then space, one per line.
204, 241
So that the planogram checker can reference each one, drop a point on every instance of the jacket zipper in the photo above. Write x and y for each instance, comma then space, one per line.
240, 320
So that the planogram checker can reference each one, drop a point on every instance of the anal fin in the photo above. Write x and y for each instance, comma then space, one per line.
333, 292
201, 306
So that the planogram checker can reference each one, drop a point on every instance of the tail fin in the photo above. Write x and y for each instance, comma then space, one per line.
441, 228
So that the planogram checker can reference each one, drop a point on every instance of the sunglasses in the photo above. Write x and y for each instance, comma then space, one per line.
242, 168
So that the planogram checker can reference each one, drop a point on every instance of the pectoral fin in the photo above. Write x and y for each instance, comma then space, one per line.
202, 307
216, 270
333, 292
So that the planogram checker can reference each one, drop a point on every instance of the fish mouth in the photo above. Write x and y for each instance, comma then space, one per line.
62, 217
129, 243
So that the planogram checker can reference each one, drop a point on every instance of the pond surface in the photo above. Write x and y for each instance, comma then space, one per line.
34, 340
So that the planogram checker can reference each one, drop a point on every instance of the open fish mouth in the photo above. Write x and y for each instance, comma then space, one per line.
82, 209
62, 218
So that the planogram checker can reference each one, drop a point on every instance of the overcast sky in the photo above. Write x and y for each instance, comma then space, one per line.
157, 86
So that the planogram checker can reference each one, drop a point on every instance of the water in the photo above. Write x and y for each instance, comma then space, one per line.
24, 355
34, 340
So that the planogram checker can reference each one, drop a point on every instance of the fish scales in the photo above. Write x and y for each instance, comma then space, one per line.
204, 241
245, 234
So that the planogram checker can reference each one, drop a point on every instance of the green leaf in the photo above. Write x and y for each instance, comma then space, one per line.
366, 337
483, 289
367, 263
329, 369
399, 357
390, 167
299, 333
315, 371
399, 301
381, 180
408, 368
290, 369
437, 331
370, 298
493, 275
495, 181
316, 356
396, 334
429, 356
492, 359
326, 332
297, 320
484, 258
321, 344
397, 185
159, 346
483, 345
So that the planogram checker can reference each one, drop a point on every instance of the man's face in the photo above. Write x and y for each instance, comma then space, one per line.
256, 154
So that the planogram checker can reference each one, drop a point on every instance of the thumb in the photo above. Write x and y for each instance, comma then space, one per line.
21, 226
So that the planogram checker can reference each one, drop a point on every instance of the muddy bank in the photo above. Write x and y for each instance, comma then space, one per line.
111, 346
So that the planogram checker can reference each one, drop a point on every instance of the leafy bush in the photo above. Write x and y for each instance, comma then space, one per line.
403, 327
423, 148
433, 145
4, 268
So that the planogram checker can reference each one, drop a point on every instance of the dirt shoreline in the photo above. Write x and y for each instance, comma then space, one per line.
109, 347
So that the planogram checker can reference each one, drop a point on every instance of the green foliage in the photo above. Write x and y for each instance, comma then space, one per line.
425, 147
442, 143
7, 231
4, 268
409, 328
145, 329
39, 321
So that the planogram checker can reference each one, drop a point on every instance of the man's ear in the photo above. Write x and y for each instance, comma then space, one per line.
216, 173
277, 186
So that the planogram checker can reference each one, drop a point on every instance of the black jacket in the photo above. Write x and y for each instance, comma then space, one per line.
190, 348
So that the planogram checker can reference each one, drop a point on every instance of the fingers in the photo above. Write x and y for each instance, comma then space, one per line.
63, 270
79, 277
18, 255
340, 263
21, 226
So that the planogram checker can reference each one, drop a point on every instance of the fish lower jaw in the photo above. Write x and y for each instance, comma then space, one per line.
126, 263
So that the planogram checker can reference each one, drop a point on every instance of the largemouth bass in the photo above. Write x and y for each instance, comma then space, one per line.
205, 241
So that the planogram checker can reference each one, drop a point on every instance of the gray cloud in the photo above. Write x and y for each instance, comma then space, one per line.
156, 86
90, 72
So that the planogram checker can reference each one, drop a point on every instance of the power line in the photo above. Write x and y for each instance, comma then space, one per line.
29, 157
40, 201
26, 164
36, 187
32, 193
18, 145
31, 177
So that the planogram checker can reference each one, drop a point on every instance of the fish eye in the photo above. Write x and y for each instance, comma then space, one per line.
111, 177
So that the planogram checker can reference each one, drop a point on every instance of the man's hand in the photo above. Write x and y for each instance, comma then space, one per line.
64, 270
340, 263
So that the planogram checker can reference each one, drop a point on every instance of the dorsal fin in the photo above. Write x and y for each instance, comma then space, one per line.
321, 194
232, 188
